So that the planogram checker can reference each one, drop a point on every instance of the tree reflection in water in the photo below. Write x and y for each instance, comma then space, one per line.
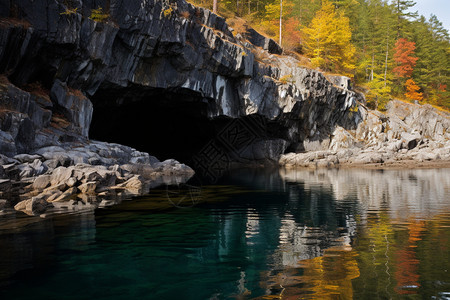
399, 243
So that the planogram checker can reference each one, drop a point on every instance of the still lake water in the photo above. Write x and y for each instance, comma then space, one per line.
326, 234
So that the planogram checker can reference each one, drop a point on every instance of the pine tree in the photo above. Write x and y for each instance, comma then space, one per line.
402, 13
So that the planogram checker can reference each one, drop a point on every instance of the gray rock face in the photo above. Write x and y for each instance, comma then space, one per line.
406, 134
77, 109
187, 51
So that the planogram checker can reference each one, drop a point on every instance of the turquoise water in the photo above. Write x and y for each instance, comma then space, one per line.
348, 234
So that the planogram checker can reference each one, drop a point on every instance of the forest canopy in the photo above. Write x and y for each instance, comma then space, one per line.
387, 48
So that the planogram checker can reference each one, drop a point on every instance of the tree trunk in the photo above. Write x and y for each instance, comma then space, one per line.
281, 18
386, 61
373, 63
215, 6
398, 19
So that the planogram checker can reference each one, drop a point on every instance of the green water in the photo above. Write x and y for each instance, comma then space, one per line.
348, 234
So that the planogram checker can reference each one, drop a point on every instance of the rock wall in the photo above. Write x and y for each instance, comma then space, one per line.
149, 45
405, 135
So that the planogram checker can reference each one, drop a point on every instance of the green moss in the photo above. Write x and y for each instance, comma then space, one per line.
98, 15
69, 11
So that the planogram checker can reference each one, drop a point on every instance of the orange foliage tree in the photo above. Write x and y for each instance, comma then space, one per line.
404, 59
292, 34
412, 91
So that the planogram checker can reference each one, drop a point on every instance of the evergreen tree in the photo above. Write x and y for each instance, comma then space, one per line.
402, 14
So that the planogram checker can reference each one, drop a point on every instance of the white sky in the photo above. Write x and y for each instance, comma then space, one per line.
440, 8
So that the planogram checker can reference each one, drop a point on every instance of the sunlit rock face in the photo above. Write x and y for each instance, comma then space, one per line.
145, 48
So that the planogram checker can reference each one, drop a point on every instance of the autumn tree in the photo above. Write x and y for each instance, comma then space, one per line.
328, 40
412, 91
273, 22
404, 59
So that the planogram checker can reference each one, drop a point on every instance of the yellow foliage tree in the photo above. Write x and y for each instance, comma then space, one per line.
379, 92
328, 40
412, 91
271, 21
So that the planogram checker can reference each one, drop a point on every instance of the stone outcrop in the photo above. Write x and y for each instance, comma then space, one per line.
405, 135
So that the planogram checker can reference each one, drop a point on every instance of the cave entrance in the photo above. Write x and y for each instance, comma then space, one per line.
175, 124
166, 124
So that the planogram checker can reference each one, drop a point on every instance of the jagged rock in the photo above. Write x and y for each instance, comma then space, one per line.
42, 182
27, 158
134, 183
261, 41
7, 144
54, 195
71, 182
69, 194
77, 108
342, 139
410, 140
21, 205
88, 187
61, 175
36, 205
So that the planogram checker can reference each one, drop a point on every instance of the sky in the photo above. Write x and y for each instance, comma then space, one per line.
440, 8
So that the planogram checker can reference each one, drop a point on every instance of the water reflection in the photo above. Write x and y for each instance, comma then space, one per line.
404, 193
283, 234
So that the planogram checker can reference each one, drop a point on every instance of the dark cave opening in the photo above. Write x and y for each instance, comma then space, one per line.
175, 124
166, 124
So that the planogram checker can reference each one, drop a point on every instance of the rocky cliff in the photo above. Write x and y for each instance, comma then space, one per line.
167, 56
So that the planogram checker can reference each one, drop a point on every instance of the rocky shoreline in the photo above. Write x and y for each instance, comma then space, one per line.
406, 135
77, 177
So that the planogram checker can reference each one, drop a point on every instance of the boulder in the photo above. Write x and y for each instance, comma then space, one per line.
69, 194
54, 194
61, 175
42, 182
410, 140
36, 205
88, 187
27, 158
21, 205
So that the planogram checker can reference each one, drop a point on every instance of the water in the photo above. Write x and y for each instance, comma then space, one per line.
327, 234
